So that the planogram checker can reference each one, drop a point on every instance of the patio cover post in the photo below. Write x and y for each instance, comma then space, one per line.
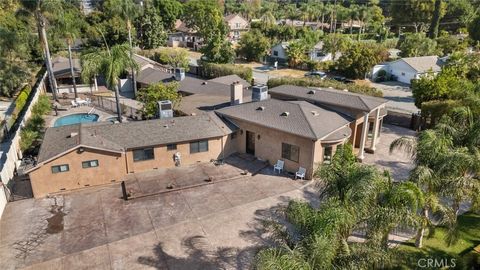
363, 138
376, 122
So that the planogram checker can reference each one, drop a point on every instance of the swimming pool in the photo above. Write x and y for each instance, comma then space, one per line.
75, 119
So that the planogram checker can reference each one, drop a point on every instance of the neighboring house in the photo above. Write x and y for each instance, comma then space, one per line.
360, 108
407, 69
237, 25
279, 52
63, 76
184, 37
299, 133
82, 155
318, 53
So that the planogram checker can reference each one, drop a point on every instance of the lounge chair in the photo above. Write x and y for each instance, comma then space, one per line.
74, 103
278, 166
301, 173
81, 102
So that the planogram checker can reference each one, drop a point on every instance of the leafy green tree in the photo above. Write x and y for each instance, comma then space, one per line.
175, 57
335, 43
153, 33
449, 44
417, 45
463, 11
151, 95
218, 50
416, 12
111, 64
205, 17
169, 10
358, 60
474, 29
438, 13
253, 45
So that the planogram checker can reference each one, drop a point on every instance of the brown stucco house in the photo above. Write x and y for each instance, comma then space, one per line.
297, 132
361, 108
237, 26
82, 155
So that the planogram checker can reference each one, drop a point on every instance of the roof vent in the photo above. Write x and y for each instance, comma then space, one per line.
311, 92
330, 87
204, 83
73, 134
165, 126
345, 90
285, 114
261, 108
315, 113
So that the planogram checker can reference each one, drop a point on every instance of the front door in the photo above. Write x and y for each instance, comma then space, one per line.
250, 148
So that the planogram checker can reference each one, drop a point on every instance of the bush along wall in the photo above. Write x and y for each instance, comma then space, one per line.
32, 132
212, 70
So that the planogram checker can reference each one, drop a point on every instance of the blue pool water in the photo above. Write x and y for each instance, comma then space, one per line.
75, 119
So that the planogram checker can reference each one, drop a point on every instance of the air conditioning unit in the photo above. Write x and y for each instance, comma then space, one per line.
179, 74
165, 109
259, 92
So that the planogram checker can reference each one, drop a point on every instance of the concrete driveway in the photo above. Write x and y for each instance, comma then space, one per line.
216, 226
399, 95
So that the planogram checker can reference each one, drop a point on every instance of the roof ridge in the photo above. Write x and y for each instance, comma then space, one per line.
364, 103
307, 119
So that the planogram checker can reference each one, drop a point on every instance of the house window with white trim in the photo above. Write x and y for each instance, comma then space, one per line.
143, 154
199, 146
90, 164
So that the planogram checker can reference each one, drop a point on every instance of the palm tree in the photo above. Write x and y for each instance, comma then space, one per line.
111, 63
39, 8
69, 29
127, 10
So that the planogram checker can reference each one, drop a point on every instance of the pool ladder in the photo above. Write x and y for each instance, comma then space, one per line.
92, 110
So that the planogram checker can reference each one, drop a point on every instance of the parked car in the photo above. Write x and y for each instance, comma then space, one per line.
342, 79
316, 74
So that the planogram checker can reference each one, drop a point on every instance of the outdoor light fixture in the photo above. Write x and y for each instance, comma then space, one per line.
81, 150
258, 137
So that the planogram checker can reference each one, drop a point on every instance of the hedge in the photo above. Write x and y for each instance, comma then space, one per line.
212, 70
312, 82
31, 134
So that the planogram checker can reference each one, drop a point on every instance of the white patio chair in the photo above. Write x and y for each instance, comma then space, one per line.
74, 103
278, 166
301, 173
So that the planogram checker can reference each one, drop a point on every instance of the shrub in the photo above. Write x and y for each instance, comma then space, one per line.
313, 82
27, 139
32, 132
212, 70
42, 106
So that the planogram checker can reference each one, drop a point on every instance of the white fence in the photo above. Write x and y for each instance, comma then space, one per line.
10, 153
81, 88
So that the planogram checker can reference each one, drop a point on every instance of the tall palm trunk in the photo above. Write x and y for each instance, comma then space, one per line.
117, 101
48, 61
134, 81
421, 230
71, 68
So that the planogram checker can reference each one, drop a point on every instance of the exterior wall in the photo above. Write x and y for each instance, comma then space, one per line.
282, 54
237, 26
402, 71
111, 167
323, 58
81, 88
269, 146
165, 159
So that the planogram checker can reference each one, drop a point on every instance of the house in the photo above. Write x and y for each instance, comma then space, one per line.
407, 69
320, 55
184, 37
366, 112
237, 25
279, 52
82, 155
299, 133
63, 76
198, 95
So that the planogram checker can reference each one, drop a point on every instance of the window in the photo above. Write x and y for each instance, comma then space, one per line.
89, 164
290, 152
171, 147
275, 53
320, 54
143, 154
199, 146
327, 154
237, 25
60, 168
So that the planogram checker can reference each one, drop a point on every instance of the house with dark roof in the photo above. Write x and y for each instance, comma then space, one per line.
82, 155
366, 112
409, 68
297, 132
185, 37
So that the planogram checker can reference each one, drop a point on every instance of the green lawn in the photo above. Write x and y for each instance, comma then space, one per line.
436, 248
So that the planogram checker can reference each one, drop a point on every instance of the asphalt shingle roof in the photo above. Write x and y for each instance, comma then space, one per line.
303, 119
137, 134
424, 64
330, 97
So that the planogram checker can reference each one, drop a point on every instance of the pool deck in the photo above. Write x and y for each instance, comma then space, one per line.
51, 118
